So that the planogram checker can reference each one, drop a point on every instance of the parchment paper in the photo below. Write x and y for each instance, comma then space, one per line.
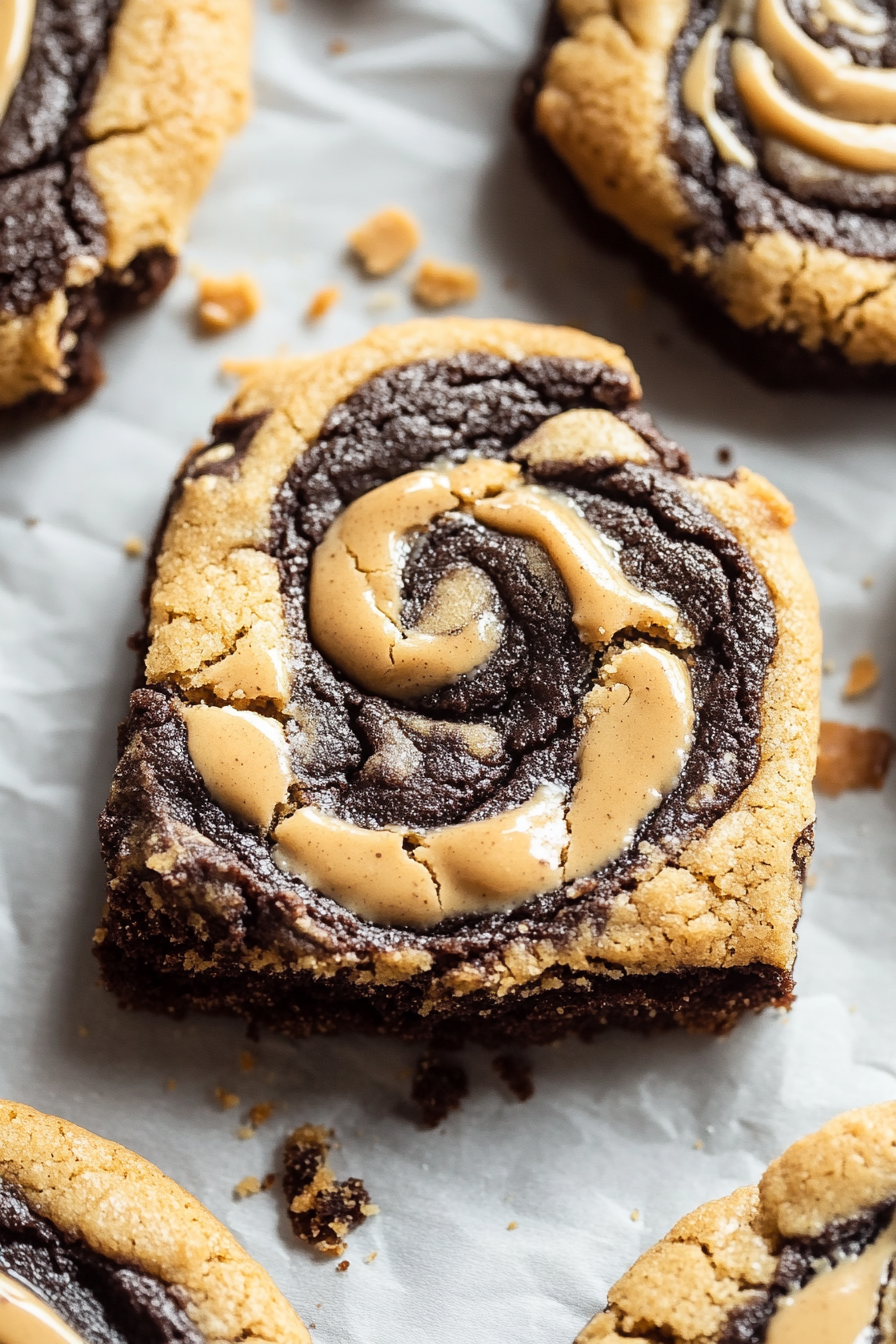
415, 112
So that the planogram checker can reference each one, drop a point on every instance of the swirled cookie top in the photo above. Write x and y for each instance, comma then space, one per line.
16, 22
501, 669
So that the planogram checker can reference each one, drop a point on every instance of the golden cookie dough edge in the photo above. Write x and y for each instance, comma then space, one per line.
603, 107
126, 1209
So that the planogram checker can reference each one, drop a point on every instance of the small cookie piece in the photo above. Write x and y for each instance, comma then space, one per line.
110, 128
385, 240
750, 147
321, 1209
467, 709
321, 303
114, 1250
805, 1256
852, 758
440, 283
225, 302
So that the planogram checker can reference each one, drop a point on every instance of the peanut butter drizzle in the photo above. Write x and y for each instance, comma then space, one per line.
641, 714
826, 77
16, 22
837, 1306
848, 15
27, 1319
698, 93
584, 436
243, 759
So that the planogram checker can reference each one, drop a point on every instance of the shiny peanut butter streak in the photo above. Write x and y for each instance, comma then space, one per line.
698, 93
837, 1306
16, 22
26, 1319
354, 597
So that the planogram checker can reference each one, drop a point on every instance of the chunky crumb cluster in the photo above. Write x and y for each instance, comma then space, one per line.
322, 1210
225, 302
852, 758
440, 283
385, 240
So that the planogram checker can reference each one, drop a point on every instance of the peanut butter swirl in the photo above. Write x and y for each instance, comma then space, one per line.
26, 1319
16, 22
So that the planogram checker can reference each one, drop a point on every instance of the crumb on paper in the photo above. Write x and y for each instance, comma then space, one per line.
322, 1210
852, 758
249, 1185
227, 1099
439, 1086
516, 1073
828, 666
261, 1113
225, 302
635, 1215
864, 674
269, 1181
171, 1085
245, 1132
342, 1266
369, 1259
698, 1144
279, 6
724, 454
380, 302
370, 1210
337, 46
133, 547
868, 581
247, 1061
636, 298
439, 283
853, 1007
385, 240
321, 303
31, 522
511, 1227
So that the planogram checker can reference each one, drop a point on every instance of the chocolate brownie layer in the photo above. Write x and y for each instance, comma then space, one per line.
118, 1251
786, 260
105, 1302
808, 1254
471, 750
89, 229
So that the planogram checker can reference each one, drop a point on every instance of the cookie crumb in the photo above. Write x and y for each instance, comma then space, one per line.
133, 547
321, 303
868, 581
380, 302
828, 666
385, 240
852, 758
269, 1181
864, 674
342, 1266
171, 1085
261, 1113
439, 1086
698, 1143
321, 1209
245, 1132
337, 47
516, 1073
249, 1185
439, 283
512, 1227
724, 454
635, 1215
227, 1099
369, 1259
279, 6
247, 1061
225, 302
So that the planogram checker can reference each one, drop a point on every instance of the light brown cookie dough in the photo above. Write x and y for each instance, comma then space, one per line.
755, 1266
174, 86
702, 927
118, 1218
811, 284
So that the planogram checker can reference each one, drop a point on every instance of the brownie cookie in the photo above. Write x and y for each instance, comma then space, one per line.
113, 114
98, 1247
467, 711
805, 1257
750, 144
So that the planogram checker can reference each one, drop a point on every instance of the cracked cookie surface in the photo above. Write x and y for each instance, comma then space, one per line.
109, 139
119, 1251
757, 1265
777, 245
690, 919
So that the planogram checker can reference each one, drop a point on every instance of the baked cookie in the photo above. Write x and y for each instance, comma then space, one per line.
805, 1257
98, 1247
467, 710
751, 144
113, 114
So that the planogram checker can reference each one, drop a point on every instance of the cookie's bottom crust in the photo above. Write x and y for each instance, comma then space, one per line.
774, 359
298, 1004
90, 310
